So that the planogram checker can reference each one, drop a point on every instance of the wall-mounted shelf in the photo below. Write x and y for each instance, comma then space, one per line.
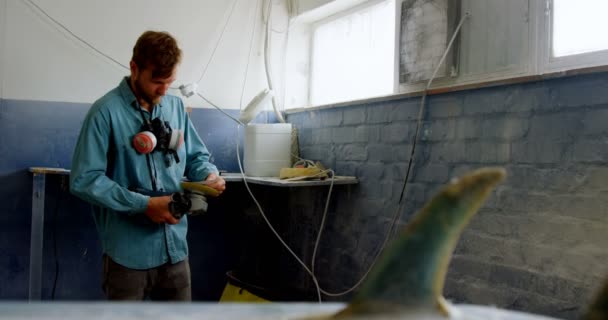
273, 181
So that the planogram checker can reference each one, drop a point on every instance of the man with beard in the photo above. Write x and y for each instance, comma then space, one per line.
145, 253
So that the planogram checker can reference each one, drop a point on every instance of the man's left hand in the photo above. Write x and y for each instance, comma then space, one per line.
216, 182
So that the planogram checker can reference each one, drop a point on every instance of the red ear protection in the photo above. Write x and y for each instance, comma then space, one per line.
144, 142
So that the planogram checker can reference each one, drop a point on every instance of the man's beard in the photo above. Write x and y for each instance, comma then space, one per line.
151, 100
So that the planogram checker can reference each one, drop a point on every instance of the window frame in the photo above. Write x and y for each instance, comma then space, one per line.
527, 67
548, 62
536, 63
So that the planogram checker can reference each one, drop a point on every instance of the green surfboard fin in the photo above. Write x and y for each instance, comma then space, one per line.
410, 274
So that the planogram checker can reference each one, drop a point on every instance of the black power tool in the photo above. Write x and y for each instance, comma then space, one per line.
192, 200
188, 202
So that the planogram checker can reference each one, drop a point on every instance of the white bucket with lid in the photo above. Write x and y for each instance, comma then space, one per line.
267, 149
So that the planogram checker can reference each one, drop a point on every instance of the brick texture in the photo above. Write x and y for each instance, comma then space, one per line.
539, 244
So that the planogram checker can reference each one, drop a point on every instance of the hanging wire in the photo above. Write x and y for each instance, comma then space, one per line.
220, 109
76, 36
267, 62
255, 20
397, 214
219, 39
274, 231
86, 43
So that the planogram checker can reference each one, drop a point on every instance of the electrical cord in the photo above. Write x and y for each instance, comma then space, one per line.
320, 232
246, 68
218, 41
220, 109
66, 29
267, 62
239, 123
255, 20
423, 100
321, 228
75, 36
265, 18
281, 119
285, 245
287, 29
279, 116
175, 88
398, 212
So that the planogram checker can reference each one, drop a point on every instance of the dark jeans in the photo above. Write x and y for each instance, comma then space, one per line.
169, 282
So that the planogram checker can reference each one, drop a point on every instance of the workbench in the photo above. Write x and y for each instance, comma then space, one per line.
38, 194
37, 226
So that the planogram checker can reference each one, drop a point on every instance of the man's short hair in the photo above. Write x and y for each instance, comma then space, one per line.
157, 50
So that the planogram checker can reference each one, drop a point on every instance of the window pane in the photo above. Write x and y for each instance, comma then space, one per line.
579, 26
353, 56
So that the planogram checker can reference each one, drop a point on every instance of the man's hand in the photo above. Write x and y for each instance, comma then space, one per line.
158, 210
216, 182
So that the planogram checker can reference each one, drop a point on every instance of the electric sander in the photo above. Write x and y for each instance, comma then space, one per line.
192, 200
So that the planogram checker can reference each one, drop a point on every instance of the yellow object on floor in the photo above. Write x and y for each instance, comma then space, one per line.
239, 290
233, 293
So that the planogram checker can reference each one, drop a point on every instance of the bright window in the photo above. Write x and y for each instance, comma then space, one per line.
349, 54
353, 55
579, 26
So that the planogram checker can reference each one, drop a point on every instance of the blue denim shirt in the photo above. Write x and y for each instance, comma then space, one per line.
105, 167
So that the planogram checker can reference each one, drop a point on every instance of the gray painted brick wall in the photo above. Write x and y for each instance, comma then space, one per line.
540, 244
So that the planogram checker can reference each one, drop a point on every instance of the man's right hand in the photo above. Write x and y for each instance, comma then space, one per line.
158, 210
